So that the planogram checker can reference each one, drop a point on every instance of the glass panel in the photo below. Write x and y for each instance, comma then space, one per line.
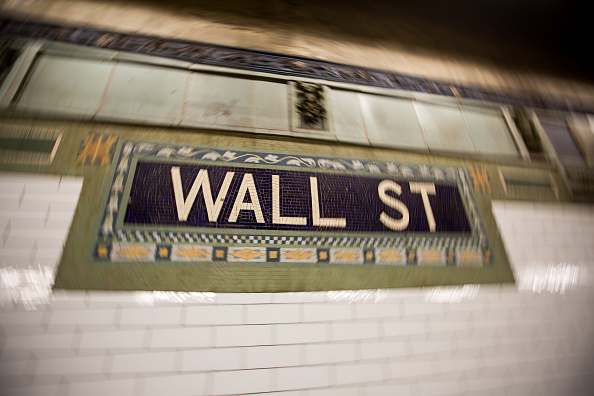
219, 101
64, 85
489, 131
562, 140
444, 127
145, 93
391, 122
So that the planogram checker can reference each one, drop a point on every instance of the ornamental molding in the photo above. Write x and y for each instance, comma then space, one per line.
268, 62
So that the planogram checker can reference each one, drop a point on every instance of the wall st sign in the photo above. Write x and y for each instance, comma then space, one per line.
207, 209
239, 197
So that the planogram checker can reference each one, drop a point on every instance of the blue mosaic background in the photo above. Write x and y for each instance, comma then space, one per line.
152, 200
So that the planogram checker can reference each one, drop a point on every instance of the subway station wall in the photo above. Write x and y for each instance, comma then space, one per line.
128, 233
531, 338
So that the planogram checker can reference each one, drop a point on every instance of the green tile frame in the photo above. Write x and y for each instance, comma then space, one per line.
81, 269
28, 145
112, 232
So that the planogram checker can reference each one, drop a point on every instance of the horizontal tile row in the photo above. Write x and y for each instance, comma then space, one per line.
495, 339
150, 93
400, 256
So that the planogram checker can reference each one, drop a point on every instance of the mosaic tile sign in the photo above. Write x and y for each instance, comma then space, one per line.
202, 206
214, 196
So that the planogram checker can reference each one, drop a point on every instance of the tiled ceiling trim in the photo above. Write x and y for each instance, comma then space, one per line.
268, 62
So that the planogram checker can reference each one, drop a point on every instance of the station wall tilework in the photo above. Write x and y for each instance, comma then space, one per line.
534, 338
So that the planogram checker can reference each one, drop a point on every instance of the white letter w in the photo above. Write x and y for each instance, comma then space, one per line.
184, 206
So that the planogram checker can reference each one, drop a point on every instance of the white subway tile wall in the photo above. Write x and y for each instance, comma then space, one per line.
533, 338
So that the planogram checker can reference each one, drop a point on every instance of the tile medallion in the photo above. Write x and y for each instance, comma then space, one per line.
200, 205
96, 149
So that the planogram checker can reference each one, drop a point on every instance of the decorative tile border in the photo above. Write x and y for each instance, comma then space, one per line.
458, 257
259, 61
118, 242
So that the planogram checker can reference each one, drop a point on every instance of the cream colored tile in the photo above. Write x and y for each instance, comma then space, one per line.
347, 120
113, 339
272, 356
355, 331
218, 101
214, 314
243, 335
191, 337
101, 388
444, 128
242, 381
145, 94
330, 353
73, 365
272, 313
244, 298
327, 312
301, 333
212, 359
65, 86
391, 122
156, 315
354, 373
271, 107
183, 385
302, 377
143, 362
95, 316
489, 132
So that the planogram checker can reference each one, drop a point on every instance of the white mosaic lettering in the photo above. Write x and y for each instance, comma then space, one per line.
425, 189
276, 204
391, 223
247, 184
315, 209
184, 206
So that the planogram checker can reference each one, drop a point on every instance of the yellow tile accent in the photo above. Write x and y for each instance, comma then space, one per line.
480, 179
411, 255
300, 254
163, 251
273, 254
431, 256
102, 251
347, 255
219, 253
247, 254
391, 255
323, 255
96, 149
468, 257
133, 252
191, 252
369, 256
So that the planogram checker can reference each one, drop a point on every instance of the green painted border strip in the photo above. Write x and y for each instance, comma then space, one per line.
32, 145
